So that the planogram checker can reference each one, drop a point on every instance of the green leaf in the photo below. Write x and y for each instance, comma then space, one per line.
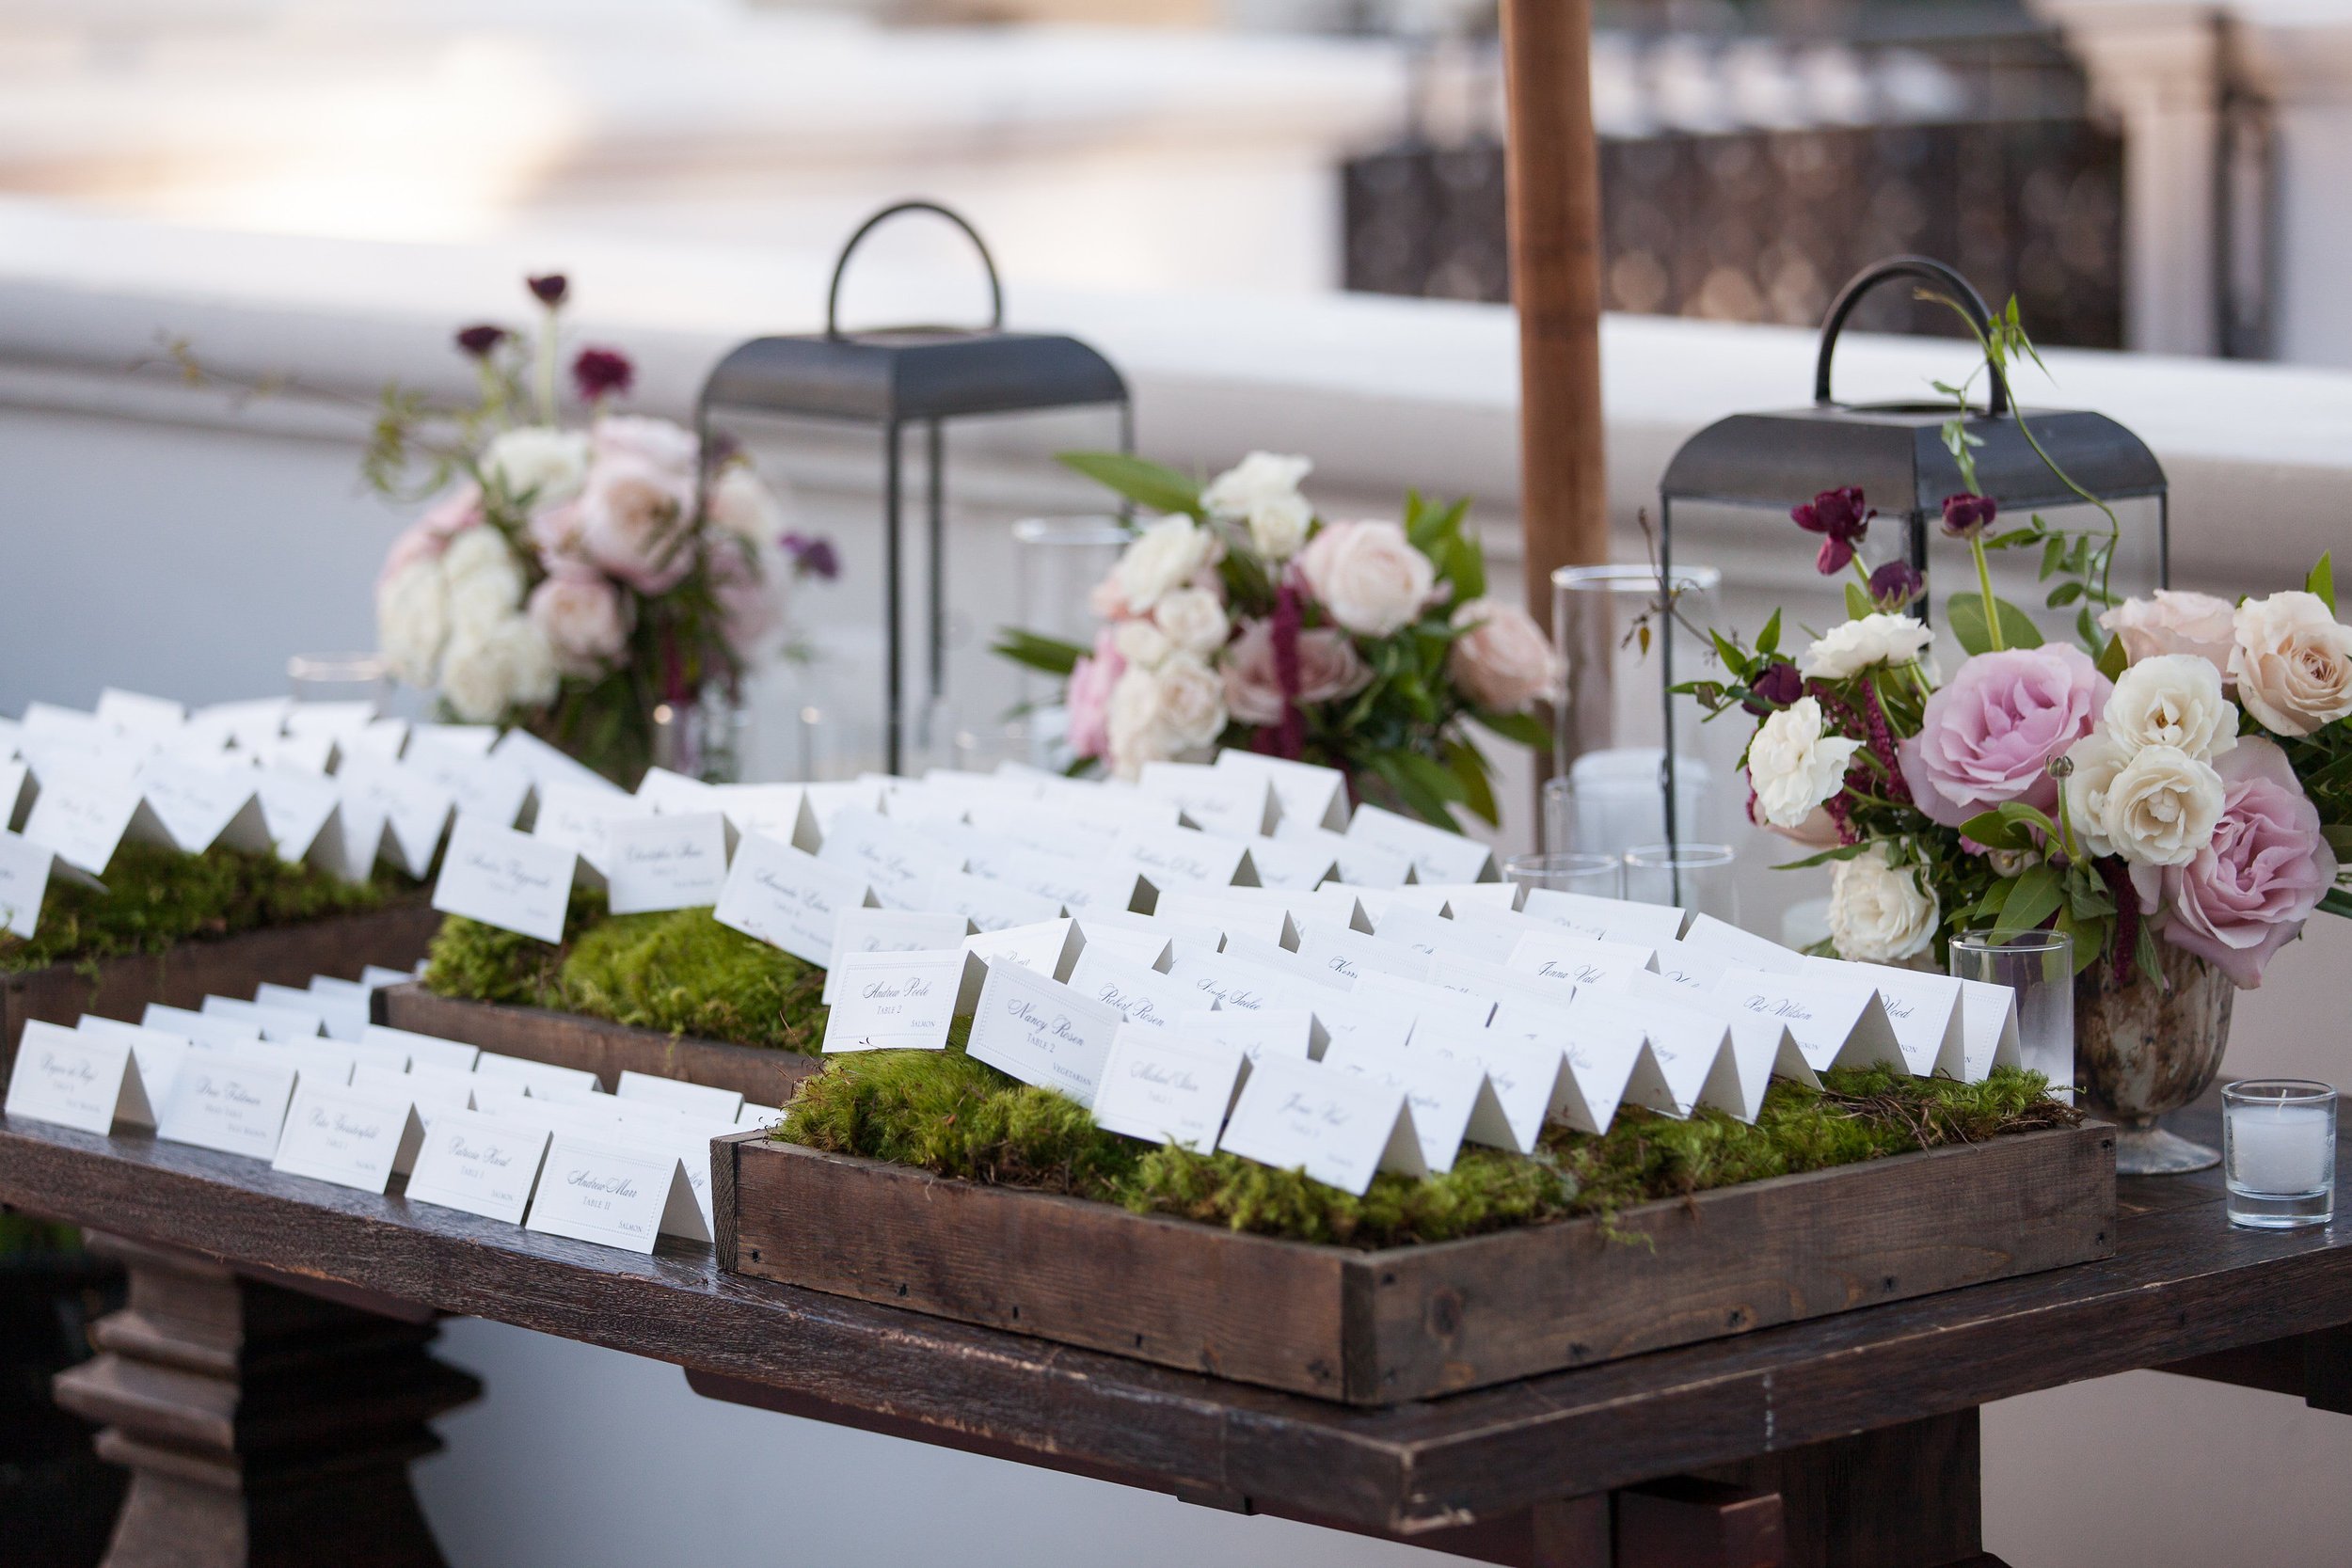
1995, 832
1145, 482
1768, 640
1467, 567
1525, 728
2053, 556
2323, 580
1857, 602
1470, 770
1845, 852
1051, 655
1966, 612
1427, 525
2063, 594
2112, 659
2032, 899
1412, 790
2145, 953
2339, 835
2338, 901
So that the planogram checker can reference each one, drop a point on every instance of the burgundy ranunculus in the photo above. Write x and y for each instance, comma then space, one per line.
476, 342
1894, 585
1841, 518
1781, 685
602, 373
1965, 516
550, 288
813, 555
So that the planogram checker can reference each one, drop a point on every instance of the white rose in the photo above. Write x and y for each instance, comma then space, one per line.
2097, 758
1137, 734
484, 580
1878, 911
547, 465
1368, 576
1260, 477
492, 668
1192, 700
1278, 525
412, 621
1193, 619
1142, 644
2173, 700
1793, 767
658, 442
741, 503
1856, 646
2292, 660
2161, 807
1162, 560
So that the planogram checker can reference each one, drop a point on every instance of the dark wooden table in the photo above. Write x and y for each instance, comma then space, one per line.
274, 1359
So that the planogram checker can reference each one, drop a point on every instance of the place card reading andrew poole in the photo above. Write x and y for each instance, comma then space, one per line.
88, 1082
671, 861
505, 879
351, 1137
1338, 1127
613, 1194
900, 1001
1041, 1031
481, 1164
787, 898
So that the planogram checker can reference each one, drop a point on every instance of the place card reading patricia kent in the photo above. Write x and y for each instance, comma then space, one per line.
227, 1103
613, 1194
351, 1137
505, 879
88, 1082
675, 861
1041, 1031
1338, 1127
1165, 1089
900, 1001
787, 898
481, 1164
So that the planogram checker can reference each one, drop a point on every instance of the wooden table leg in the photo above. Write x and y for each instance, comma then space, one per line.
1902, 1497
262, 1426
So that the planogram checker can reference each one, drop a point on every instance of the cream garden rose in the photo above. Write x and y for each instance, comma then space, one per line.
484, 581
2171, 700
491, 668
1142, 644
2292, 660
412, 621
2094, 760
1368, 574
1501, 658
2161, 806
1879, 912
1794, 768
1261, 491
1880, 638
2174, 622
1193, 619
545, 465
1192, 700
1162, 558
1137, 732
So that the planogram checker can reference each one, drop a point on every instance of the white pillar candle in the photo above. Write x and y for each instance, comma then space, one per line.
2281, 1148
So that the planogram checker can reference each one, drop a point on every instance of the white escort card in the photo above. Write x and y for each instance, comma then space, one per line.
889, 857
1041, 1031
1988, 1016
1602, 1056
1247, 949
231, 1103
88, 1082
24, 868
1268, 923
338, 721
1924, 1010
1435, 934
83, 816
480, 786
298, 809
773, 810
1204, 977
422, 1050
699, 1101
1308, 795
890, 931
481, 1164
1173, 859
521, 1073
787, 898
675, 860
615, 1192
1270, 1032
1682, 1049
158, 1055
1421, 1001
353, 1137
342, 1018
14, 779
1347, 954
1166, 1087
758, 1119
544, 765
1437, 856
1142, 996
1147, 948
411, 808
1289, 863
1727, 944
1494, 982
136, 713
577, 818
505, 879
989, 906
1758, 1048
1361, 863
1448, 1096
666, 791
283, 1025
431, 1091
201, 806
1340, 1017
1340, 1128
1833, 1024
1229, 802
1528, 1084
898, 1001
199, 1028
1050, 947
1081, 887
1566, 958
1610, 919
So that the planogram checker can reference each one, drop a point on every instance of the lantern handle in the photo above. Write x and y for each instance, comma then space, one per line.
1970, 302
841, 265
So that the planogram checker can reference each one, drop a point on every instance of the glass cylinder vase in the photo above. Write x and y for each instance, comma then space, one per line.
1059, 562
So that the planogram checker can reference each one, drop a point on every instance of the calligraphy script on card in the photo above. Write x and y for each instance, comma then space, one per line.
505, 879
1041, 1031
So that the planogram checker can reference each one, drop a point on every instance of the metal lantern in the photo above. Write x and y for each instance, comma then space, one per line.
1895, 452
895, 378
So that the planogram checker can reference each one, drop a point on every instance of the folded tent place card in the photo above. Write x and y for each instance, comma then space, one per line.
675, 861
1437, 856
615, 1192
1434, 934
1306, 794
1281, 863
1684, 1050
1988, 1017
1270, 1032
787, 898
1601, 1055
199, 807
519, 1072
693, 1099
1042, 1032
773, 810
1269, 923
340, 1017
1229, 802
1142, 996
298, 810
408, 810
891, 858
1361, 863
1759, 1049
899, 1001
1566, 958
1347, 954
158, 1055
1610, 919
1446, 1096
1166, 1087
1050, 947
1923, 1009
136, 713
1532, 1085
1421, 1001
423, 1050
576, 819
15, 785
230, 1102
199, 1028
865, 930
1175, 858
1340, 1128
24, 868
545, 766
505, 879
353, 1137
1727, 944
82, 816
1147, 948
88, 1082
1833, 1024
280, 1025
479, 1163
990, 906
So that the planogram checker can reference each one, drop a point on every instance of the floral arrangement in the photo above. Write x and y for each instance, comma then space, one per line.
571, 579
1239, 618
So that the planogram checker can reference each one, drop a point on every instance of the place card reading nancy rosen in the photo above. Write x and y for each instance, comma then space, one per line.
670, 862
890, 931
1041, 1031
1165, 1088
229, 1102
351, 1137
900, 1001
787, 898
1338, 1127
88, 1082
505, 879
614, 1194
481, 1164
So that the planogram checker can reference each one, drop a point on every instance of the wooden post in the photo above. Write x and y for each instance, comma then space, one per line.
1554, 207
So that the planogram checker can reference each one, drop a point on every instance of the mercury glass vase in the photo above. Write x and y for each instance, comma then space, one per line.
2143, 1051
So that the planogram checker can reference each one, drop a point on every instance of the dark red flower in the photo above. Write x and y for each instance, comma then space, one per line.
1780, 685
602, 373
813, 555
1841, 518
1894, 585
550, 288
1965, 516
476, 342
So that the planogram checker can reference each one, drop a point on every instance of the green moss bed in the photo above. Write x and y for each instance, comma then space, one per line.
679, 972
945, 1113
154, 897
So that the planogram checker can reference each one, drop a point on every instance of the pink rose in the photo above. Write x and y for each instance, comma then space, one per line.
555, 533
1988, 737
2174, 622
633, 522
2247, 894
584, 618
429, 535
1502, 660
1089, 697
665, 445
1329, 668
1368, 576
744, 581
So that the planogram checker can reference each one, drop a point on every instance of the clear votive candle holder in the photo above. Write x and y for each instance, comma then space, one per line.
2279, 1152
2040, 967
1561, 871
1700, 878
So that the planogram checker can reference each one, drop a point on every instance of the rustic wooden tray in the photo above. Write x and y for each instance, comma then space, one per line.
762, 1075
1409, 1322
184, 974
